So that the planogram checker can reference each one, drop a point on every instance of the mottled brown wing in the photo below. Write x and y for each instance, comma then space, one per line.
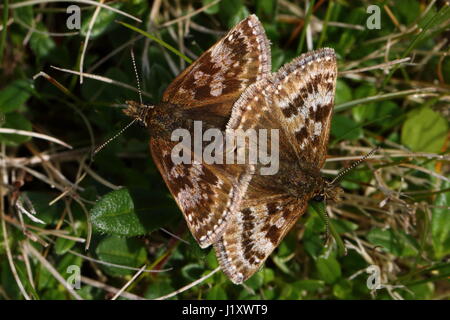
218, 77
206, 194
255, 231
207, 89
304, 93
298, 101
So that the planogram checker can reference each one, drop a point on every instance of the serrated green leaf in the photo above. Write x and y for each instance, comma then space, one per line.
424, 131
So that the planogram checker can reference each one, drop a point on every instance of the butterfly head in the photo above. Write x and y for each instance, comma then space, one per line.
138, 111
329, 192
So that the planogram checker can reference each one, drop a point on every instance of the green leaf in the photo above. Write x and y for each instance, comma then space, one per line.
114, 214
47, 281
423, 291
62, 245
309, 285
41, 44
158, 288
343, 226
121, 251
211, 260
320, 210
266, 8
343, 127
216, 293
256, 281
40, 203
24, 15
343, 289
440, 224
343, 92
192, 271
395, 242
424, 131
15, 95
268, 275
105, 19
213, 9
382, 113
329, 269
232, 12
278, 58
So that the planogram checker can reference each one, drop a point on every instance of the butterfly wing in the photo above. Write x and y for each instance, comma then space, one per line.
254, 232
297, 101
204, 193
217, 78
304, 93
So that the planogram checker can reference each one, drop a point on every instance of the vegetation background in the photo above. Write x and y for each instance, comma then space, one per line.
61, 210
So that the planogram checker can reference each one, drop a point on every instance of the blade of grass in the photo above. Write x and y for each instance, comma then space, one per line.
159, 41
439, 17
305, 25
381, 97
90, 2
5, 27
325, 23
319, 207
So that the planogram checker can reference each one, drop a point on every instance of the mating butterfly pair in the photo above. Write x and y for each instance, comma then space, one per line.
245, 215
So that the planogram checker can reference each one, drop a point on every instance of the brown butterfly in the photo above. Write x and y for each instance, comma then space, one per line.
206, 91
298, 101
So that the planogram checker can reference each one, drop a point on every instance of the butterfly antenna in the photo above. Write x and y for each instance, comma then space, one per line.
327, 227
137, 76
100, 147
352, 166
